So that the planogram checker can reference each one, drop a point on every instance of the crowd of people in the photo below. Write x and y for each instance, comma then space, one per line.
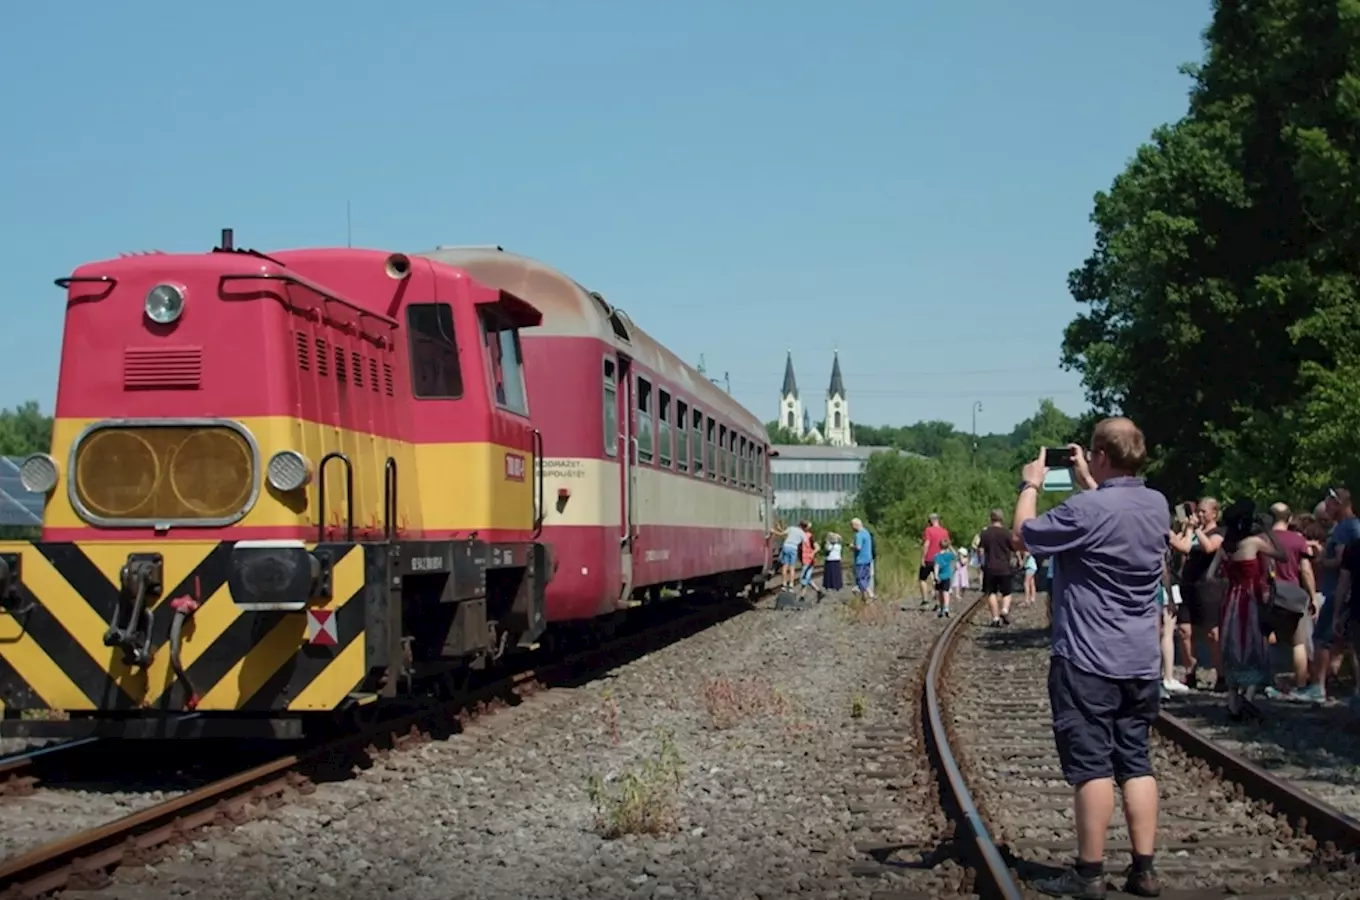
798, 554
1132, 584
1240, 582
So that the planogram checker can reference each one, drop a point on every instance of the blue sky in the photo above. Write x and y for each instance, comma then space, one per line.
907, 181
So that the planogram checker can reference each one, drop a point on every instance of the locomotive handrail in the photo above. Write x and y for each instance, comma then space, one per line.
311, 286
69, 280
321, 495
540, 512
389, 498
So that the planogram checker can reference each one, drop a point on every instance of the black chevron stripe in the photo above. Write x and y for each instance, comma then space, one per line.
90, 582
89, 675
16, 693
234, 644
310, 660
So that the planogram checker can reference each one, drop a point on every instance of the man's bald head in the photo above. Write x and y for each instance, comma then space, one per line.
1280, 512
1122, 443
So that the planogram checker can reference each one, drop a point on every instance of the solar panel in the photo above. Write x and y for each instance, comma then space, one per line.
18, 506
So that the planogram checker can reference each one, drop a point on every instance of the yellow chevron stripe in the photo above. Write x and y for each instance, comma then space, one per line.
329, 689
206, 626
81, 622
275, 649
42, 673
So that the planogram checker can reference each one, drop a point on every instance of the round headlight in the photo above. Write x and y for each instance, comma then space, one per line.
164, 303
288, 470
38, 473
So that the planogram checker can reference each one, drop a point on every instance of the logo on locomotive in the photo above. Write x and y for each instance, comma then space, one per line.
514, 467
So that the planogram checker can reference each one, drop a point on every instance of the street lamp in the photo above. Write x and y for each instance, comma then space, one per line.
977, 408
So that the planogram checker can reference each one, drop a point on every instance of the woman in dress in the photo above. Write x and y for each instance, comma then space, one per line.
831, 570
1242, 623
959, 582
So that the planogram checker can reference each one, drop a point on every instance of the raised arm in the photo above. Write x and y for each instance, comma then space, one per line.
1271, 547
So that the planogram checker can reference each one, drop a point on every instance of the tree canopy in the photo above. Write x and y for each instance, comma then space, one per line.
898, 492
1220, 298
24, 430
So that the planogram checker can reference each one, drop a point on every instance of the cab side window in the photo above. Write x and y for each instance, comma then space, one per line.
435, 373
506, 360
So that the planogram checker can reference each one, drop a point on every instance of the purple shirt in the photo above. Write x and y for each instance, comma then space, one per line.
1108, 545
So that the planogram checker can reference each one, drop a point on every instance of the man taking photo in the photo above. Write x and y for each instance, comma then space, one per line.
1107, 542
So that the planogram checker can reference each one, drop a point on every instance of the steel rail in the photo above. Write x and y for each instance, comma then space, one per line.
994, 878
1322, 820
84, 859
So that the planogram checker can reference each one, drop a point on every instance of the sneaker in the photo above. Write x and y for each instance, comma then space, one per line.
1165, 694
1070, 884
996, 623
1172, 686
1311, 694
1142, 884
946, 613
1005, 619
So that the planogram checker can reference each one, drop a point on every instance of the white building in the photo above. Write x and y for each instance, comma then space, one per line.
797, 419
816, 482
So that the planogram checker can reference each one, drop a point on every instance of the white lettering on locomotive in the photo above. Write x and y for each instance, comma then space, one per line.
514, 467
427, 563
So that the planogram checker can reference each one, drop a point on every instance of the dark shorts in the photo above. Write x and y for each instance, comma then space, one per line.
996, 584
942, 587
1100, 725
1196, 610
925, 573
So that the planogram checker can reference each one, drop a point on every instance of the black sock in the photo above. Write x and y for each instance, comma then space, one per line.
1141, 863
1090, 869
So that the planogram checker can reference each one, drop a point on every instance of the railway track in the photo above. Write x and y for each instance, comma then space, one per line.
1227, 827
80, 849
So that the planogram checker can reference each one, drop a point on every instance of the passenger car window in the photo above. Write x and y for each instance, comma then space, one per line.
435, 373
644, 420
681, 435
663, 418
507, 364
611, 410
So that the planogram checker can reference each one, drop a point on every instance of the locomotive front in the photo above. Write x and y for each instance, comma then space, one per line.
225, 551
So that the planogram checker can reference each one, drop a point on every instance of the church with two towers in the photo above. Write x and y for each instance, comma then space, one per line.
798, 420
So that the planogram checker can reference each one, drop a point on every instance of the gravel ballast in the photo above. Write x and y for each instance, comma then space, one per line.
749, 738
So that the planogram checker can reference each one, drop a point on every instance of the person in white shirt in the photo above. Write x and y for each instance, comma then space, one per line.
832, 579
788, 554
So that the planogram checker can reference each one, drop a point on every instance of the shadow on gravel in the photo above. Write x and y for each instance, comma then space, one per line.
1011, 639
148, 766
1318, 739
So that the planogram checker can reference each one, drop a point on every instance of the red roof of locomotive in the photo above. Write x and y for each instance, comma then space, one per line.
570, 310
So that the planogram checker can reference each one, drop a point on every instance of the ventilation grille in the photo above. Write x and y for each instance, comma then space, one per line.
347, 366
162, 367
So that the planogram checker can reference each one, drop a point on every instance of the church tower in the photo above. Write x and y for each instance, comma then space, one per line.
790, 407
838, 433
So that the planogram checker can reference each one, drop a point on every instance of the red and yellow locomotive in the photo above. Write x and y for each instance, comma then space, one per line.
277, 487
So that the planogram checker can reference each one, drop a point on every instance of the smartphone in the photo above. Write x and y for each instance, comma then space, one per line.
1187, 509
1057, 457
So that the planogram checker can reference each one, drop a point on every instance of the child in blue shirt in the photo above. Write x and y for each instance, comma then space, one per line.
945, 561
